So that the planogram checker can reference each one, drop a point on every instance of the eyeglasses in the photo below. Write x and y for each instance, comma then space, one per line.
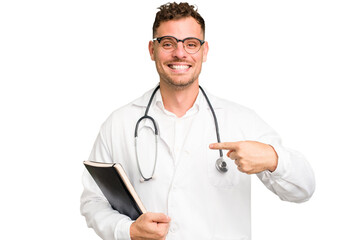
169, 43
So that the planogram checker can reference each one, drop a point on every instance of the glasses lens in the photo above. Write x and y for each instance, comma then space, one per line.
192, 45
168, 44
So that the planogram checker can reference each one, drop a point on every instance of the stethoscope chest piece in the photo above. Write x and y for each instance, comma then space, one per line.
221, 165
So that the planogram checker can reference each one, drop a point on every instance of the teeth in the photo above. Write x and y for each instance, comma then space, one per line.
179, 67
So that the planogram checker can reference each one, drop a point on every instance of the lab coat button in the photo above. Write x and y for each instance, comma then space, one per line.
174, 227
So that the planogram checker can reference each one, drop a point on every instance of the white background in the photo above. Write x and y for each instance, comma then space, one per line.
66, 65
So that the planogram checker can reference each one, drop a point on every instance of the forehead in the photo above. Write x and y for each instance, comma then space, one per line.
180, 28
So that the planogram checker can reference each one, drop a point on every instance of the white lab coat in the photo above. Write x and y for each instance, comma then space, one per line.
202, 202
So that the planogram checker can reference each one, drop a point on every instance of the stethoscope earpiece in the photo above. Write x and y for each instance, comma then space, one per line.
221, 165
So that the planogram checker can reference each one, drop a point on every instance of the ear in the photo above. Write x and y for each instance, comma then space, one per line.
151, 50
205, 51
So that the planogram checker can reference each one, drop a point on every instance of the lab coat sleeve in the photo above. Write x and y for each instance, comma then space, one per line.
293, 180
107, 223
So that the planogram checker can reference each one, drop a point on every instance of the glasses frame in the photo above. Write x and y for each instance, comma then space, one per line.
180, 40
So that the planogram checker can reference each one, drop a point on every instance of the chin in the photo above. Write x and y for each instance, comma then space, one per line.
180, 84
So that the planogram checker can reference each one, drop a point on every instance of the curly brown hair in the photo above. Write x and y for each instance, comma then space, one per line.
174, 11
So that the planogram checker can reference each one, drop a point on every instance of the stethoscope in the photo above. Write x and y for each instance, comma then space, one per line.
220, 164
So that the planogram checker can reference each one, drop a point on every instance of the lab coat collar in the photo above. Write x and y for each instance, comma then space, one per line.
144, 99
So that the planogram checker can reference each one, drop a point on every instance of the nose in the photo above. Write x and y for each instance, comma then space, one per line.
179, 52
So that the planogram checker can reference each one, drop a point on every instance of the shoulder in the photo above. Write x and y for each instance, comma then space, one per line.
242, 118
234, 114
229, 106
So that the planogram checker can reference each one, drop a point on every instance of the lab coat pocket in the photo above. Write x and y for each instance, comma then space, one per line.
230, 179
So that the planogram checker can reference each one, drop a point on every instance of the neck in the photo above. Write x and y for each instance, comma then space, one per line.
179, 101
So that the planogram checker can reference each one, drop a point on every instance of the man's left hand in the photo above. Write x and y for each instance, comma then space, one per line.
250, 156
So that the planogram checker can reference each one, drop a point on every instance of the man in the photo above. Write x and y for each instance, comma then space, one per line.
189, 198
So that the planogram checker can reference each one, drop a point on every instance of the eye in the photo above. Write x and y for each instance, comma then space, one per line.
168, 43
192, 43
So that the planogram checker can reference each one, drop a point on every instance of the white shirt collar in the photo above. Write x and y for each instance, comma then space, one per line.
193, 110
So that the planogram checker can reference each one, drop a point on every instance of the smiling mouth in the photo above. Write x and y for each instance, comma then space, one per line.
179, 66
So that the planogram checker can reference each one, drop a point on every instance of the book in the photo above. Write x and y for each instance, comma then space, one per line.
116, 187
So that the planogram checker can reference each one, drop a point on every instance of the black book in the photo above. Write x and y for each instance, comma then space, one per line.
116, 187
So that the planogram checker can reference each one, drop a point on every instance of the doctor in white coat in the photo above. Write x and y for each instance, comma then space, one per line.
188, 198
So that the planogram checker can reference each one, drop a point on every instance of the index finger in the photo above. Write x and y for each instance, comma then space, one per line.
159, 217
223, 145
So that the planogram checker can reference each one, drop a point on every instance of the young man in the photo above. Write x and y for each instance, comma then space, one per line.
191, 197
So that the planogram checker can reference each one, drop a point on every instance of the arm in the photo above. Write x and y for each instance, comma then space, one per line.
283, 171
108, 223
99, 215
293, 180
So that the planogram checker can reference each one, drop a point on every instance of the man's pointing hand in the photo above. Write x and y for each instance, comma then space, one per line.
250, 156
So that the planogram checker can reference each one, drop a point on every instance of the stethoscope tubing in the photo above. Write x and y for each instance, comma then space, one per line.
220, 163
146, 116
215, 119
